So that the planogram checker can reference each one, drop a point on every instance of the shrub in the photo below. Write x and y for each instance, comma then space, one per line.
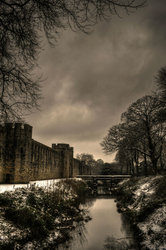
6, 199
160, 188
7, 246
31, 199
38, 228
148, 209
26, 217
21, 216
49, 221
36, 210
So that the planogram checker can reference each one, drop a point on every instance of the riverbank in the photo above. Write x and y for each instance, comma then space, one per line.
143, 202
39, 218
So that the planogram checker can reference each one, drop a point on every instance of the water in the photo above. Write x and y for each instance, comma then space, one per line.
106, 230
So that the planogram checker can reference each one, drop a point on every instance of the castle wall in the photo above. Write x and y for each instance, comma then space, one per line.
65, 159
44, 162
23, 159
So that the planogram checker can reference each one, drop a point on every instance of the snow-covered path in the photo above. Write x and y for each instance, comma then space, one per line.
41, 183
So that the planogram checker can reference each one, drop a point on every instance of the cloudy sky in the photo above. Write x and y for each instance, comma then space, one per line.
89, 80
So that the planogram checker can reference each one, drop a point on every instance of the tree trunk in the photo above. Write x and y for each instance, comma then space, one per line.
152, 151
136, 162
145, 166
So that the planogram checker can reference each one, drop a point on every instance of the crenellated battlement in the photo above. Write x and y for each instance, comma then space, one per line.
62, 146
18, 126
15, 130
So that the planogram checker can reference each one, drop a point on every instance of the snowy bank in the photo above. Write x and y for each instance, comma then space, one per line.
40, 183
143, 201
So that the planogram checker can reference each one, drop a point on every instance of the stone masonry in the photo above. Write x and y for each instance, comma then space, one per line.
23, 159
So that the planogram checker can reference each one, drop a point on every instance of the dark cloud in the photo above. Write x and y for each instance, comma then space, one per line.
91, 79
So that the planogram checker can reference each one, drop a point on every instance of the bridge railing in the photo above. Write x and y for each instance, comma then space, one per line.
103, 176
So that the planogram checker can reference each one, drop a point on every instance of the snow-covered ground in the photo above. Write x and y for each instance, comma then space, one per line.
150, 204
41, 183
154, 230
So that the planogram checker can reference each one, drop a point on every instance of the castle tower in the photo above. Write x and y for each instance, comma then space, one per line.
65, 153
15, 152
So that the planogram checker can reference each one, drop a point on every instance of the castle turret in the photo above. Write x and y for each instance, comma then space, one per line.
66, 159
15, 143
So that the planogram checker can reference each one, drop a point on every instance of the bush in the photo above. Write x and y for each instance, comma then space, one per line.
20, 216
38, 228
26, 217
6, 199
148, 209
160, 189
37, 210
79, 189
7, 246
31, 199
49, 221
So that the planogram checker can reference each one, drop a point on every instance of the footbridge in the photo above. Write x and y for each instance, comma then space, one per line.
98, 180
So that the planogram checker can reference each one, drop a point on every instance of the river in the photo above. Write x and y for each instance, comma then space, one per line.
107, 229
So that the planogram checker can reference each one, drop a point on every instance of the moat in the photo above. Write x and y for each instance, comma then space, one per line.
107, 228
81, 218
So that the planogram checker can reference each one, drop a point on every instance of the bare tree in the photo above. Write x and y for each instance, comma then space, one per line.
22, 25
141, 135
18, 92
87, 158
145, 112
125, 139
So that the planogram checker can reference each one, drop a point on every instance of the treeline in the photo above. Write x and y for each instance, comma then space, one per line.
99, 167
140, 139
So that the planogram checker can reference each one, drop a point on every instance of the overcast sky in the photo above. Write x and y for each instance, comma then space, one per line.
89, 80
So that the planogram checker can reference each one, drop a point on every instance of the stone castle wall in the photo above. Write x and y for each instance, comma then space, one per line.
23, 159
44, 162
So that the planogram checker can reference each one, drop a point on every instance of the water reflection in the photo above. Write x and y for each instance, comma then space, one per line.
106, 230
78, 235
112, 243
102, 190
